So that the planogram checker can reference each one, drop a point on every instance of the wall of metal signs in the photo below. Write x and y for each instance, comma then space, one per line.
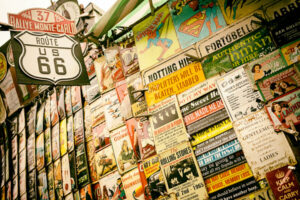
202, 102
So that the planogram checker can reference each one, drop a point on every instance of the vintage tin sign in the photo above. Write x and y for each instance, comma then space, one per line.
42, 20
174, 83
280, 8
168, 66
155, 38
226, 36
265, 194
260, 144
3, 66
291, 52
167, 124
41, 58
195, 20
279, 83
284, 184
237, 94
182, 173
230, 177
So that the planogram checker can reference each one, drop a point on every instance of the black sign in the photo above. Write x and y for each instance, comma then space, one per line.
45, 59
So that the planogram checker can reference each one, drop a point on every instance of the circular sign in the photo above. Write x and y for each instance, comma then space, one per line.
3, 66
70, 10
10, 55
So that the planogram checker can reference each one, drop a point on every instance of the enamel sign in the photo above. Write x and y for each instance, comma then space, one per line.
42, 58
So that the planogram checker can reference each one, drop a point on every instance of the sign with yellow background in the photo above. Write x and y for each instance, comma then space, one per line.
155, 38
175, 83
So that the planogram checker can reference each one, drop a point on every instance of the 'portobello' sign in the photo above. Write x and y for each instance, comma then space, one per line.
42, 58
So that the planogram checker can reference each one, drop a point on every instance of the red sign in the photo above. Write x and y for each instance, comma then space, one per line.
284, 184
42, 20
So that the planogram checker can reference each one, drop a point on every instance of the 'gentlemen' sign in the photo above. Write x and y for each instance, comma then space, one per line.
41, 58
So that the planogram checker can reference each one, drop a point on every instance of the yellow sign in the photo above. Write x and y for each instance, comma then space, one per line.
211, 132
151, 166
291, 52
155, 38
227, 178
3, 66
175, 83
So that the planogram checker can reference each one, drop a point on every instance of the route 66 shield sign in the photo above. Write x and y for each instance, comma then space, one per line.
52, 59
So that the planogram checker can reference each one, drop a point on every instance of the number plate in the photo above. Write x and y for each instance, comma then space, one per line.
42, 58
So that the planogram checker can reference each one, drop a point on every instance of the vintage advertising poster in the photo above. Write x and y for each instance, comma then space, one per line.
78, 127
145, 187
47, 116
91, 53
92, 91
54, 118
236, 190
104, 73
284, 111
68, 101
174, 83
223, 164
55, 142
246, 49
155, 38
264, 66
112, 111
203, 112
96, 189
63, 138
50, 182
260, 144
66, 178
97, 111
31, 119
21, 120
233, 11
131, 125
169, 65
145, 138
137, 99
214, 142
76, 98
112, 187
279, 83
283, 183
167, 124
211, 132
31, 152
228, 178
105, 161
81, 166
90, 150
22, 182
40, 119
48, 147
113, 69
73, 175
130, 61
265, 193
58, 187
125, 106
237, 94
195, 20
10, 99
133, 185
279, 9
123, 149
182, 173
155, 178
22, 140
86, 192
226, 36
291, 52
42, 185
32, 184
40, 152
219, 153
197, 91
100, 136
61, 102
70, 134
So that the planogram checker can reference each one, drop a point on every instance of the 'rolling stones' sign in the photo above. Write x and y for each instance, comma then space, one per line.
42, 58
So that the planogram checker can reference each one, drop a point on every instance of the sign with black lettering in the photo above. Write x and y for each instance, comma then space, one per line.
45, 59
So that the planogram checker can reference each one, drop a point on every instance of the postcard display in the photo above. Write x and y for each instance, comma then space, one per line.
158, 123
